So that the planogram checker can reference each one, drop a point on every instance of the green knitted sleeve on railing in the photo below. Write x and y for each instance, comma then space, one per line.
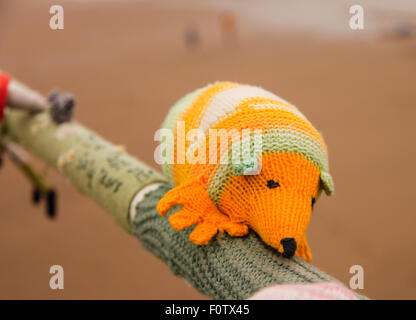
96, 167
229, 268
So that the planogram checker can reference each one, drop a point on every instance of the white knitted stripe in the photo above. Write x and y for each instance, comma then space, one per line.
139, 197
226, 102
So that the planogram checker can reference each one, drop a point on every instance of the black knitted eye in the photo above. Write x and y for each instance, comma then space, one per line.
313, 201
271, 184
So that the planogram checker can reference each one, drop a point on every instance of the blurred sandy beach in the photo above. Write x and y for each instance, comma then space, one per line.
127, 63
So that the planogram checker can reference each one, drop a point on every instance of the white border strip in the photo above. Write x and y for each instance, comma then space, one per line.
140, 196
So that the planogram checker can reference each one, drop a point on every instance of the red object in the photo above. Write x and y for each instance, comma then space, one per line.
4, 82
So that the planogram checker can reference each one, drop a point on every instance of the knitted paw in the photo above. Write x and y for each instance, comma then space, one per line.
197, 208
213, 221
183, 219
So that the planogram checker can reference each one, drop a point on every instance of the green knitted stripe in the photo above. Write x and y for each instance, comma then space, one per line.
274, 140
180, 106
170, 123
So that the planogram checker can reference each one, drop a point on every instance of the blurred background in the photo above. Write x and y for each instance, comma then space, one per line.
127, 62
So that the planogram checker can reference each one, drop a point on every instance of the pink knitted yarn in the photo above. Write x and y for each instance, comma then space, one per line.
314, 291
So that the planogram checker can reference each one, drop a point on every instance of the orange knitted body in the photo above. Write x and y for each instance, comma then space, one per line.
276, 200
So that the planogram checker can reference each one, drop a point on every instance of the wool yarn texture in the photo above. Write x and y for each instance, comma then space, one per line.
265, 175
311, 291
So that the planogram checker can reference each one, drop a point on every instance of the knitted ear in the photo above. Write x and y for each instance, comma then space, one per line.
249, 166
327, 183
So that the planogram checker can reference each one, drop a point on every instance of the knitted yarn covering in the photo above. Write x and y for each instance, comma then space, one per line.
314, 291
269, 186
231, 268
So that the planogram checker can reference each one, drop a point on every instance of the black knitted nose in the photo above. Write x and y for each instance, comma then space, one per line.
289, 247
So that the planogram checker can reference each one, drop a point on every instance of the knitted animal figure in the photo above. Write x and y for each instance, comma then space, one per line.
272, 186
